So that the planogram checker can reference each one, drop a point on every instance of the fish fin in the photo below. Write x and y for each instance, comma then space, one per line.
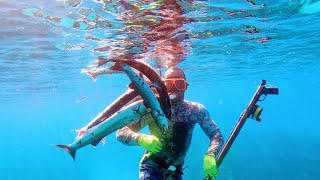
95, 143
101, 61
117, 66
131, 86
80, 132
67, 148
140, 74
103, 140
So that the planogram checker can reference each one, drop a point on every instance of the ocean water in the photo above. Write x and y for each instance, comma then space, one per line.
225, 47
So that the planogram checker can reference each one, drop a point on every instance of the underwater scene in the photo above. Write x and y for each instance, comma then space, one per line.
58, 73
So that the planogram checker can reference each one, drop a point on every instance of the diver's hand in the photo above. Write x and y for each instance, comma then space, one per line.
210, 167
150, 142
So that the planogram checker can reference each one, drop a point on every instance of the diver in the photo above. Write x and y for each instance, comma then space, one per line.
165, 152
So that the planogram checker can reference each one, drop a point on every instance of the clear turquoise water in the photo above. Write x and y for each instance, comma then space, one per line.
43, 95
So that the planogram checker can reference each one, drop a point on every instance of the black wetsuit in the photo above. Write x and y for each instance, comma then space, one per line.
176, 141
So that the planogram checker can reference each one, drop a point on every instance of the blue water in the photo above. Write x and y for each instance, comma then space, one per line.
43, 95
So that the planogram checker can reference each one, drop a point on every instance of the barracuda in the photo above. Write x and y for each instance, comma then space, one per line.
155, 80
123, 117
118, 120
148, 97
150, 73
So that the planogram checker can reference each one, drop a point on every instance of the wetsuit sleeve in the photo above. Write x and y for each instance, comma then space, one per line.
128, 135
212, 131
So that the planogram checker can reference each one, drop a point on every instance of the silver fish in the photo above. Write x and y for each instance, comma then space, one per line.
148, 97
123, 117
118, 120
150, 73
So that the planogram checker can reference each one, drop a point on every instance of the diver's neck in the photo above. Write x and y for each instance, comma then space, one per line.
177, 103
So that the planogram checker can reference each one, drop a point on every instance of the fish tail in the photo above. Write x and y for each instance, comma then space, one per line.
118, 66
102, 61
117, 63
68, 149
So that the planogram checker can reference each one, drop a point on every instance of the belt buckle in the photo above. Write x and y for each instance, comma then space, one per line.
172, 168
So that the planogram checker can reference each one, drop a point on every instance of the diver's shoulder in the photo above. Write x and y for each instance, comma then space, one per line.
192, 104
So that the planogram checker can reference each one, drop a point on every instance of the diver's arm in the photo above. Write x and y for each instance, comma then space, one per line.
129, 135
212, 131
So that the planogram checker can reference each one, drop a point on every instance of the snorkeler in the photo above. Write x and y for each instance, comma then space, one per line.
165, 153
